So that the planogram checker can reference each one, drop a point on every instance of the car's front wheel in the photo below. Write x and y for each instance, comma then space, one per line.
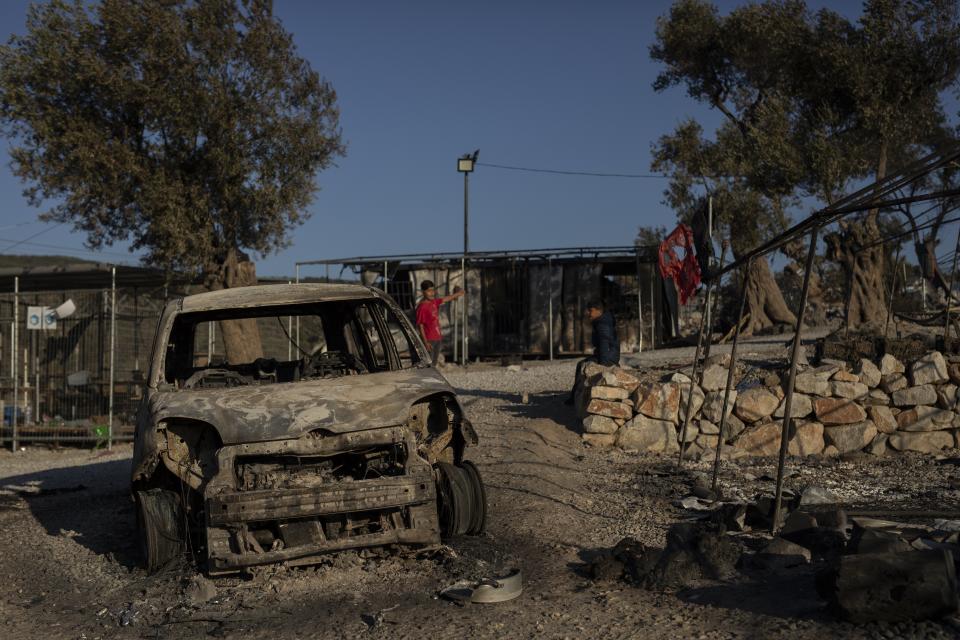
159, 527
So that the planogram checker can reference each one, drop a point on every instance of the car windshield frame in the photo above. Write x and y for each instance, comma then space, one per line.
379, 308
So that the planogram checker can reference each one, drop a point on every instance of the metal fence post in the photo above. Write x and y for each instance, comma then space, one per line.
15, 347
731, 367
788, 399
696, 370
113, 351
550, 304
953, 272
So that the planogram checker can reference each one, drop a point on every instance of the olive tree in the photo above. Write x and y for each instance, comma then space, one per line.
191, 129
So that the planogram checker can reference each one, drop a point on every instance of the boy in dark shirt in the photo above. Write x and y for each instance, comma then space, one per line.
606, 345
428, 317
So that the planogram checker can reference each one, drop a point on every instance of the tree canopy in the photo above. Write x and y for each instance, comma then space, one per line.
812, 103
190, 128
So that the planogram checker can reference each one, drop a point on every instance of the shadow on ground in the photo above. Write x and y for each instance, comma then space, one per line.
90, 503
548, 405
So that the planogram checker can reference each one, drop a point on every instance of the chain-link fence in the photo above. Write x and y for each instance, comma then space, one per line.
73, 361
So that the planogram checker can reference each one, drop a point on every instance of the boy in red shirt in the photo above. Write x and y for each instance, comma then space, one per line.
428, 317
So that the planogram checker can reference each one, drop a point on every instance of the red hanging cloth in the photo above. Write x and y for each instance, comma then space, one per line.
679, 263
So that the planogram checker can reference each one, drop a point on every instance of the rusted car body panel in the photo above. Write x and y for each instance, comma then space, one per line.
286, 471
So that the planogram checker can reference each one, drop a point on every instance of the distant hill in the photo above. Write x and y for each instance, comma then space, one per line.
26, 261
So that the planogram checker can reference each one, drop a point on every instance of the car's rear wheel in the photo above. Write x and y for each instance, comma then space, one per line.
159, 527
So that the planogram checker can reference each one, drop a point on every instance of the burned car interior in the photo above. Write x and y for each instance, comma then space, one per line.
340, 435
335, 339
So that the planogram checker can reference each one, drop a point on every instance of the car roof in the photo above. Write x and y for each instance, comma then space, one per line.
273, 295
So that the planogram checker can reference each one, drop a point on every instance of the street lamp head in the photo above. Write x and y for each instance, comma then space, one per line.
466, 162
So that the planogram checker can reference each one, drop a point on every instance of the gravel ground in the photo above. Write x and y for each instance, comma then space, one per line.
69, 566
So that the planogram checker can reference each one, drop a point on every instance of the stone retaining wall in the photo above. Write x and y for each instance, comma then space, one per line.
880, 407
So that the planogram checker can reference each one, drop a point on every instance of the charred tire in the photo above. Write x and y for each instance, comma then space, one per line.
479, 524
461, 499
159, 527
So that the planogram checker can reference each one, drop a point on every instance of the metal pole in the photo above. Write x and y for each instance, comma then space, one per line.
550, 304
385, 267
36, 382
113, 351
463, 314
953, 273
716, 302
694, 373
788, 400
297, 332
893, 286
730, 371
653, 312
16, 363
289, 333
463, 263
639, 307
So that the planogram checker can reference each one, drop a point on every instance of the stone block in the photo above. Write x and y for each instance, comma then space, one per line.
925, 418
714, 378
877, 397
734, 427
832, 411
708, 441
947, 396
602, 392
893, 382
648, 434
707, 427
658, 400
848, 389
755, 404
811, 383
883, 419
869, 373
807, 439
889, 364
610, 409
599, 424
930, 369
713, 405
878, 446
802, 406
850, 437
692, 431
760, 439
845, 376
698, 397
924, 442
913, 396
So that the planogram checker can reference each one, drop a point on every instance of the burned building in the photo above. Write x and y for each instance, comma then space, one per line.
529, 303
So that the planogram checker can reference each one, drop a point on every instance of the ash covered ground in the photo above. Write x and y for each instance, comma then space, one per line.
69, 564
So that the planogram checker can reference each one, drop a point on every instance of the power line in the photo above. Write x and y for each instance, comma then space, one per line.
594, 174
74, 250
37, 234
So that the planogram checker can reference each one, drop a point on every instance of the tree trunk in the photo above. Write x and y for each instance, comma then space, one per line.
859, 250
765, 302
927, 257
241, 338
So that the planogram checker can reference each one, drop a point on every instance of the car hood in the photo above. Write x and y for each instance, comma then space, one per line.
288, 410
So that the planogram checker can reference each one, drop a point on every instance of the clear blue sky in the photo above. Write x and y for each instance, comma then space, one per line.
560, 84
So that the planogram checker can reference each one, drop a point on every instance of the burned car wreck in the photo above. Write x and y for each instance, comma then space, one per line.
340, 436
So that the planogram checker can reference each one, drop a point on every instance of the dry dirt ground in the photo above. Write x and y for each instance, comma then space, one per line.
68, 562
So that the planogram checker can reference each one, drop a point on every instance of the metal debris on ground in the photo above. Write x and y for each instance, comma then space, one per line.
487, 590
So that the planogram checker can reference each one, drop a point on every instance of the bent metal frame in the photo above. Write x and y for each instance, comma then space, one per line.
882, 194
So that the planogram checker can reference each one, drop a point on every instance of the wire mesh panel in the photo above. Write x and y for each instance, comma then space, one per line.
55, 383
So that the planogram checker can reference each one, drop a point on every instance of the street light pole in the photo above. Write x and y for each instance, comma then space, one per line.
465, 165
